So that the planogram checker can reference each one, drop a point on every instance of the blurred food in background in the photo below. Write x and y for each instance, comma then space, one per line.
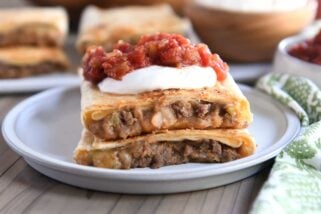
33, 26
248, 30
240, 31
301, 54
308, 50
25, 61
105, 27
31, 41
75, 7
319, 10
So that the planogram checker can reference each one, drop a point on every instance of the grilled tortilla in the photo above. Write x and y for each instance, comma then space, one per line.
105, 28
115, 116
33, 26
165, 148
16, 62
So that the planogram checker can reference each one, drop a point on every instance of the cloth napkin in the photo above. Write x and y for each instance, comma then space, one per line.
294, 184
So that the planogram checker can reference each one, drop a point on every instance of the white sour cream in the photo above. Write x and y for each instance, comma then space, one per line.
160, 77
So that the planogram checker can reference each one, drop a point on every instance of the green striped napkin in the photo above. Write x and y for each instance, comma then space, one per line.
294, 184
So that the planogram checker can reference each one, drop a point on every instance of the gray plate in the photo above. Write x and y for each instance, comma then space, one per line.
45, 129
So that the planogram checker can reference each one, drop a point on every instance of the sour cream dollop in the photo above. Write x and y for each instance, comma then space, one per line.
160, 77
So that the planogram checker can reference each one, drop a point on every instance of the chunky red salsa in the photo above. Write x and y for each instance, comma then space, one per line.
309, 50
159, 49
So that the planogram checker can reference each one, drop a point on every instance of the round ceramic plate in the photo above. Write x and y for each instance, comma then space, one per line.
45, 129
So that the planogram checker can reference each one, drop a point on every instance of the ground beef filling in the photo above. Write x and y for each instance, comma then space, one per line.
178, 115
32, 36
13, 71
155, 155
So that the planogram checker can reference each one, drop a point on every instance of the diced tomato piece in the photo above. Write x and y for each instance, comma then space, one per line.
309, 50
164, 49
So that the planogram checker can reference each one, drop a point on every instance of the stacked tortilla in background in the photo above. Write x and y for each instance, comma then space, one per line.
105, 27
31, 41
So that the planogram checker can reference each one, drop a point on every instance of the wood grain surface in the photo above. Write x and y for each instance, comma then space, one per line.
24, 190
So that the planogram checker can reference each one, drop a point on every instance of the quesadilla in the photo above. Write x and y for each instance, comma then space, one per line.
162, 101
112, 116
33, 26
17, 62
105, 27
165, 148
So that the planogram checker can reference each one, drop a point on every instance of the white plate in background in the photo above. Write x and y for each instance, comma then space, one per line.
45, 129
248, 72
37, 83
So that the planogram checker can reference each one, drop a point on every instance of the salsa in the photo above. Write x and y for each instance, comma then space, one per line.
163, 49
309, 50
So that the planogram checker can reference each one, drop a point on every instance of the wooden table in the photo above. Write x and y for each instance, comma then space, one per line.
24, 190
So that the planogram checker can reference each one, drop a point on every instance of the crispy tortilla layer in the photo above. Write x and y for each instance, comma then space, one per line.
23, 61
169, 148
105, 27
129, 122
118, 116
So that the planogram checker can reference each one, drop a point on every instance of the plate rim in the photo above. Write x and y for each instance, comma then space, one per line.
15, 143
